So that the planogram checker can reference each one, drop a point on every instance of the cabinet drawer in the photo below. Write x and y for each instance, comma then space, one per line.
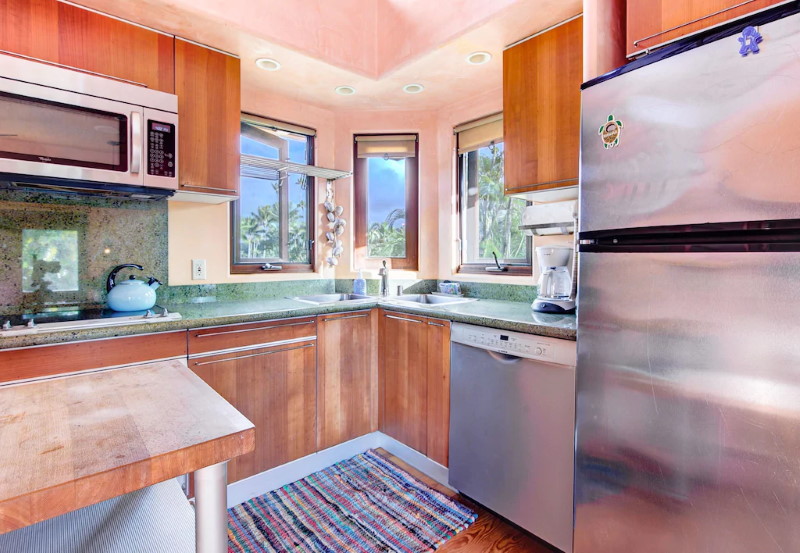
216, 338
219, 359
38, 361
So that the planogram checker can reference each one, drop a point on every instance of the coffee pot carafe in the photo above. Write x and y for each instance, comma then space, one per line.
555, 282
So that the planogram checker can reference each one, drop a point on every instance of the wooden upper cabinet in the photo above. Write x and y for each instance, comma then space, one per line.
60, 33
541, 109
208, 86
347, 377
652, 23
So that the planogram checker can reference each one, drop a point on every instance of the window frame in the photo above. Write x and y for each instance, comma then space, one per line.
464, 267
255, 267
361, 222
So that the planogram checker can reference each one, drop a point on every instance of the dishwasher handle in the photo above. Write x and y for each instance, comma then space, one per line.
504, 358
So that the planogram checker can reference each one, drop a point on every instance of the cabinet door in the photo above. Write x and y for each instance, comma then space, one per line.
347, 383
276, 389
60, 33
438, 365
404, 378
654, 22
208, 87
541, 109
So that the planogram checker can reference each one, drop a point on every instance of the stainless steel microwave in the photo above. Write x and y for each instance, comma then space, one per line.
61, 127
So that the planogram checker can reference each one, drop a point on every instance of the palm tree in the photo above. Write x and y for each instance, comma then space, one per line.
388, 239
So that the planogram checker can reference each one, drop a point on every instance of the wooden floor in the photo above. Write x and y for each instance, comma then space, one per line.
487, 534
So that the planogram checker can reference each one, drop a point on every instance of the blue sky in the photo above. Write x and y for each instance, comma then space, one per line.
256, 192
387, 181
387, 188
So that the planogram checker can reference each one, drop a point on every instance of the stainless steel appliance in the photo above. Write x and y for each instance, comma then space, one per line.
688, 384
512, 415
70, 129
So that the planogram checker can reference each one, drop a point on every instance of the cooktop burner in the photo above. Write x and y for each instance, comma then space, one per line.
67, 315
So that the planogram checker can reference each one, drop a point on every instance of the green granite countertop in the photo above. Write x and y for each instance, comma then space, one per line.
505, 315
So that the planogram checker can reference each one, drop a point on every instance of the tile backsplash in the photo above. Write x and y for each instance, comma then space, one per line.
57, 251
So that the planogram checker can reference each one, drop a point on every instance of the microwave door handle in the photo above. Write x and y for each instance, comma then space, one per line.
136, 142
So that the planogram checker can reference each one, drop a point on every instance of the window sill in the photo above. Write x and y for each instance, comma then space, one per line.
255, 269
480, 269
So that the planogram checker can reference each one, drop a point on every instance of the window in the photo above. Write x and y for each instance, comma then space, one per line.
272, 221
489, 220
386, 199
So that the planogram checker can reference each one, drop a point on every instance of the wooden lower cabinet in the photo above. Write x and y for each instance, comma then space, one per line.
414, 374
347, 379
438, 392
49, 360
274, 387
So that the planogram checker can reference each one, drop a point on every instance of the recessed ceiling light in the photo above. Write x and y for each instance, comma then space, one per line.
413, 88
479, 58
345, 90
268, 64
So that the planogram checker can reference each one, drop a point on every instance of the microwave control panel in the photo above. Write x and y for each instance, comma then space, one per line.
161, 149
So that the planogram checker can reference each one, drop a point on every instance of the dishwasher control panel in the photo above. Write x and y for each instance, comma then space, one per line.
553, 350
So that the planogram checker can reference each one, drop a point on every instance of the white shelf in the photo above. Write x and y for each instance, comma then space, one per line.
158, 519
259, 167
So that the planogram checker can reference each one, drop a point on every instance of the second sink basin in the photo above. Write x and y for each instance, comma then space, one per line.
321, 299
430, 299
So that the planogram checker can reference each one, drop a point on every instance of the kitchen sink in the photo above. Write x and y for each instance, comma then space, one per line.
429, 299
321, 299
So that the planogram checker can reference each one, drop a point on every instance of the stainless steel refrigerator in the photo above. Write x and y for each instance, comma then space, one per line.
688, 377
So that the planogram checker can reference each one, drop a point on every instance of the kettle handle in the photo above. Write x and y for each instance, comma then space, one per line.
113, 274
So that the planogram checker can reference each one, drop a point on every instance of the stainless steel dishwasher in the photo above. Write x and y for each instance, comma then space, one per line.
512, 421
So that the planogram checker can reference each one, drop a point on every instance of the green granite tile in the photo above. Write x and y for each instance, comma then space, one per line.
495, 291
345, 286
56, 250
244, 291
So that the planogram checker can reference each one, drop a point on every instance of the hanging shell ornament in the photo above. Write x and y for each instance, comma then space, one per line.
328, 206
338, 251
338, 211
332, 261
331, 217
331, 237
339, 231
337, 244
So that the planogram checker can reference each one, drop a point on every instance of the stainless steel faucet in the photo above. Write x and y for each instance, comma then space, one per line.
383, 272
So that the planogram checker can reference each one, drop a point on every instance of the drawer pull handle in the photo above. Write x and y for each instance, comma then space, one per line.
199, 363
435, 324
224, 332
326, 319
699, 19
403, 319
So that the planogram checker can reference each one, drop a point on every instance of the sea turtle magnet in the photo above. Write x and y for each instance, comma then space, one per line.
610, 132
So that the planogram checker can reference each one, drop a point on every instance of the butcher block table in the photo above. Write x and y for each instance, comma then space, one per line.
69, 446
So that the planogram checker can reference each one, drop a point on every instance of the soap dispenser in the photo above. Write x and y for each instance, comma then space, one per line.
360, 285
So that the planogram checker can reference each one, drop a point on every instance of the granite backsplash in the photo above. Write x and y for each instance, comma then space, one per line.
56, 250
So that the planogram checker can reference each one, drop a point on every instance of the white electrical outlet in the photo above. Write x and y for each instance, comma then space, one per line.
199, 269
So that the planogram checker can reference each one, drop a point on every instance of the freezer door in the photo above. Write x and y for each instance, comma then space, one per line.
707, 136
688, 403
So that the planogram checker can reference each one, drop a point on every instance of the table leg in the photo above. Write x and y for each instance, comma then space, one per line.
211, 509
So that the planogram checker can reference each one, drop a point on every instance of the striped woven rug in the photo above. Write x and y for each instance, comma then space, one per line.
362, 505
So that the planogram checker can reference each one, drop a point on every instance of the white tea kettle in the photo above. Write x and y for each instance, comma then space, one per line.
132, 294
